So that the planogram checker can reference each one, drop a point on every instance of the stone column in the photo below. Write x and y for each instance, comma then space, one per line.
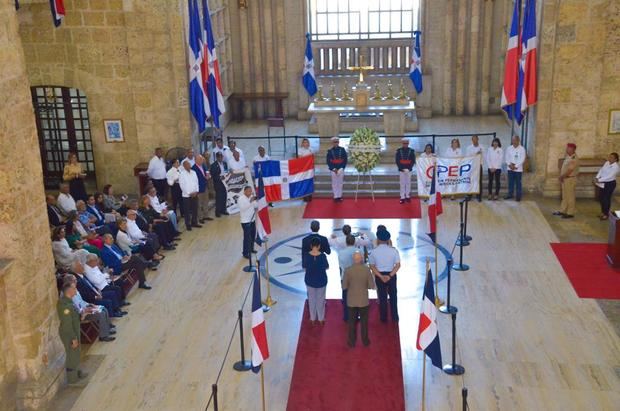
486, 57
473, 89
448, 62
461, 42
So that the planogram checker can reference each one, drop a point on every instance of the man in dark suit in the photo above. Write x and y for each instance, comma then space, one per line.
115, 258
305, 243
217, 171
90, 294
53, 212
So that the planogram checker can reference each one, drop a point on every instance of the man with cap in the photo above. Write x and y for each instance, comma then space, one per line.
385, 263
405, 160
69, 330
568, 180
336, 162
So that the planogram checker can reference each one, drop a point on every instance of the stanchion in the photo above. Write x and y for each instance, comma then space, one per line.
250, 268
465, 236
214, 391
243, 364
453, 368
460, 266
447, 308
464, 395
462, 240
269, 302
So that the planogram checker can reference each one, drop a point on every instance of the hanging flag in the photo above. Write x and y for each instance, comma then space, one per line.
58, 11
415, 71
528, 56
428, 334
287, 179
308, 79
213, 86
434, 208
263, 224
196, 90
260, 348
511, 65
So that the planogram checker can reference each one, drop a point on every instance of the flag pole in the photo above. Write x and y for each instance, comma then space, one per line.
438, 302
268, 301
428, 264
262, 384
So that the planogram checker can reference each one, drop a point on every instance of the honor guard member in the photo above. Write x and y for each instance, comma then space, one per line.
385, 262
405, 160
568, 180
336, 162
69, 331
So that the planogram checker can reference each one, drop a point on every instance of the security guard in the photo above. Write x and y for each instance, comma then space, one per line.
69, 331
336, 162
568, 180
385, 263
405, 160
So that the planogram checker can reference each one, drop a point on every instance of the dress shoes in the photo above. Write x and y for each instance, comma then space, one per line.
225, 213
125, 304
558, 213
145, 286
112, 331
197, 225
402, 201
107, 339
188, 229
366, 343
254, 252
568, 216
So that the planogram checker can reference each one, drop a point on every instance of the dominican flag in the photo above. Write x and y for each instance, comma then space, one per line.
260, 348
212, 84
308, 79
528, 57
287, 179
428, 334
58, 11
415, 71
434, 208
263, 225
511, 65
196, 90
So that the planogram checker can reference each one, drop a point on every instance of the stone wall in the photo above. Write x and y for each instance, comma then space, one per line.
32, 357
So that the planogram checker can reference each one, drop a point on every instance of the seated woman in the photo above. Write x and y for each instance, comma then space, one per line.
100, 204
109, 200
161, 225
63, 253
133, 246
90, 236
75, 240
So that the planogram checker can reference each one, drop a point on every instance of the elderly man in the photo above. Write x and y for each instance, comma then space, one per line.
162, 207
188, 180
203, 189
217, 170
237, 163
515, 157
190, 157
247, 213
568, 180
90, 293
69, 331
337, 162
102, 281
385, 263
66, 203
149, 242
54, 214
116, 259
356, 282
405, 161
157, 172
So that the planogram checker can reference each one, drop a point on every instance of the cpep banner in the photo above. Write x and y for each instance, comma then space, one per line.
235, 183
459, 175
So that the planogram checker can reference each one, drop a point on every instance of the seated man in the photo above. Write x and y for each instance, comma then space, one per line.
102, 281
130, 246
95, 313
162, 208
54, 214
118, 261
109, 299
66, 203
149, 241
89, 221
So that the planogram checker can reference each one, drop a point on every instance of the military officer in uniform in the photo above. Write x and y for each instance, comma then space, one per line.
385, 262
69, 331
568, 179
405, 160
337, 161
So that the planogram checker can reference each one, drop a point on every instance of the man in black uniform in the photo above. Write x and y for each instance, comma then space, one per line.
405, 160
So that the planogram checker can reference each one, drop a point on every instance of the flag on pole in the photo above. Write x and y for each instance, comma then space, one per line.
196, 90
308, 79
415, 71
528, 56
434, 208
213, 85
260, 349
428, 334
58, 11
263, 224
511, 65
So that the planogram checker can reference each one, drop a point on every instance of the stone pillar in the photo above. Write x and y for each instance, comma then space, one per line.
448, 62
473, 89
32, 362
461, 42
486, 57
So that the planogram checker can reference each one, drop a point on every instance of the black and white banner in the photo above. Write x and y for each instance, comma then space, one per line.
235, 183
459, 175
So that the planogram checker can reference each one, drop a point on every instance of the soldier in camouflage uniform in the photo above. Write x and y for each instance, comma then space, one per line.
69, 331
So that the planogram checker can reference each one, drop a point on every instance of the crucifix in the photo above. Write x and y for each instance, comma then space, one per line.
361, 68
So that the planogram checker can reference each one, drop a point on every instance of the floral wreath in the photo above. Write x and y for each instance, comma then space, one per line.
365, 148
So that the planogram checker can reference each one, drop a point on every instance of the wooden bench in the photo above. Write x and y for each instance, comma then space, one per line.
89, 332
237, 101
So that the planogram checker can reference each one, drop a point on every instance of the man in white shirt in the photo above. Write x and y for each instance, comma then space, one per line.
261, 156
385, 262
247, 213
219, 148
65, 201
476, 149
237, 163
157, 172
232, 148
190, 157
149, 240
101, 281
515, 157
188, 180
162, 207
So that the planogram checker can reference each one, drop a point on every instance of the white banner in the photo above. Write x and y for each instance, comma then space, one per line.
235, 183
454, 175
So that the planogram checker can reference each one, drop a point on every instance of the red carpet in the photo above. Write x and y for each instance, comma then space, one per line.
362, 208
330, 376
585, 265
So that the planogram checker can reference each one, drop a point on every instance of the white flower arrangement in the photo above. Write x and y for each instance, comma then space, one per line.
365, 148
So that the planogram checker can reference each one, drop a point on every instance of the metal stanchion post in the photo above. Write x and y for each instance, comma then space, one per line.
243, 364
460, 266
464, 395
214, 391
462, 240
453, 368
447, 308
465, 236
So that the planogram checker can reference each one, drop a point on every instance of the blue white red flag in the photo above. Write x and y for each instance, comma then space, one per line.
263, 224
58, 11
511, 65
528, 56
196, 90
287, 179
435, 207
415, 71
428, 334
260, 348
308, 79
213, 85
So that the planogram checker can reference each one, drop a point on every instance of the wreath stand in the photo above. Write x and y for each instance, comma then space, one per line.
366, 177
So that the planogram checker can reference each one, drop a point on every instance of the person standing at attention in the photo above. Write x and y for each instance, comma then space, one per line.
316, 265
218, 170
428, 151
315, 226
515, 157
356, 282
568, 180
305, 151
494, 159
247, 213
452, 152
203, 189
337, 162
405, 161
476, 149
188, 181
69, 330
172, 177
157, 173
74, 175
606, 180
385, 263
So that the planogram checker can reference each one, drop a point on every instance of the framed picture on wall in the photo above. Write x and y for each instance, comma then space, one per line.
114, 131
614, 121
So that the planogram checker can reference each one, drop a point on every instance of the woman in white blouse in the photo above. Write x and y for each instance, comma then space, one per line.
455, 149
305, 151
606, 180
428, 151
494, 158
